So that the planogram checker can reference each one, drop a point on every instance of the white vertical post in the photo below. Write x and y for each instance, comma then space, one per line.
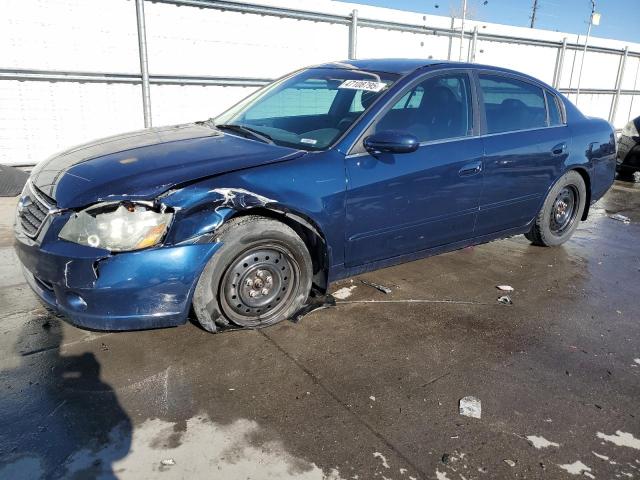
453, 24
464, 16
471, 57
557, 74
353, 36
616, 97
635, 85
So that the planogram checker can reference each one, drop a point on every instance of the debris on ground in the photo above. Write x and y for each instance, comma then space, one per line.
382, 458
541, 442
167, 462
511, 463
505, 300
377, 286
505, 288
621, 439
620, 218
445, 458
104, 347
316, 301
344, 292
470, 407
372, 398
577, 468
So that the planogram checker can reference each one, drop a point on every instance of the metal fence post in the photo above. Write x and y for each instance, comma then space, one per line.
453, 24
616, 97
633, 96
557, 74
144, 63
471, 55
353, 35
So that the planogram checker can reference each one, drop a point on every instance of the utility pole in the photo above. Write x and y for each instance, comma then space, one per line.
534, 10
593, 18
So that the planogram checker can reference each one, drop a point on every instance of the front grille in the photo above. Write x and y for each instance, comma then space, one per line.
32, 211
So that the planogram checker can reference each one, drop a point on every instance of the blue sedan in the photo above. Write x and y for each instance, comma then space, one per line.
326, 173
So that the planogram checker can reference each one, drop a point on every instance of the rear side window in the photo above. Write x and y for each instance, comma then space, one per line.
555, 113
511, 104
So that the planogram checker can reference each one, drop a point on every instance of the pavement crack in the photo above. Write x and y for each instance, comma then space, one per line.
38, 350
344, 405
434, 380
454, 302
61, 346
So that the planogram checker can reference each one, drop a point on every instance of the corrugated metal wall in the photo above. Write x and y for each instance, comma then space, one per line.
41, 38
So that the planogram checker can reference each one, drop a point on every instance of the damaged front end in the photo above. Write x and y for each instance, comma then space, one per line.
134, 264
109, 266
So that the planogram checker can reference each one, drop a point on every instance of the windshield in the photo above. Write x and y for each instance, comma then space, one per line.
309, 110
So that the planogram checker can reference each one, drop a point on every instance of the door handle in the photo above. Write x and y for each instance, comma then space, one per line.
559, 149
471, 169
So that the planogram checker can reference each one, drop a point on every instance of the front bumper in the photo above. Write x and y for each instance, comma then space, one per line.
127, 291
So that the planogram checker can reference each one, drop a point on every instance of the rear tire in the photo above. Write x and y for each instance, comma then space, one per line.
561, 212
260, 276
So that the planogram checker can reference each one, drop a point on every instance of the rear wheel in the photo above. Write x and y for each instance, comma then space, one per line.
260, 276
561, 212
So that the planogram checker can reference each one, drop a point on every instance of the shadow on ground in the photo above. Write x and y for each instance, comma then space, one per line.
54, 405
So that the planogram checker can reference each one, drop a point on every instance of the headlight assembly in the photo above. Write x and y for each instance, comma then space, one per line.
117, 227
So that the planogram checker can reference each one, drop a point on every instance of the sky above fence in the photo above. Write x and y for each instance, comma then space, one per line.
620, 18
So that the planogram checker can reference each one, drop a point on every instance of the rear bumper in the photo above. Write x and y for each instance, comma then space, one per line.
128, 291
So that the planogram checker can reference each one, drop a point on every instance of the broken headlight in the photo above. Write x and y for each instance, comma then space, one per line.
117, 227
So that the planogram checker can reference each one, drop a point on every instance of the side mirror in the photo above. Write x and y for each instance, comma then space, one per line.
390, 141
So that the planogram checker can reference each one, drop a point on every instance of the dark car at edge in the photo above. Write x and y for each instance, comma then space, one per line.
629, 149
326, 173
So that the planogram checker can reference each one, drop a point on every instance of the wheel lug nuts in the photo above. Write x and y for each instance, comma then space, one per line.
269, 280
253, 293
265, 291
249, 282
260, 273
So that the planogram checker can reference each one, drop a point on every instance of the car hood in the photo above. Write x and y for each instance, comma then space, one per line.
144, 164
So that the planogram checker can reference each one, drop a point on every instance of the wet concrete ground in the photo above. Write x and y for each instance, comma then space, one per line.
363, 390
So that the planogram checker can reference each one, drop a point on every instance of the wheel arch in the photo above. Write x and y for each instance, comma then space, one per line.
309, 232
587, 183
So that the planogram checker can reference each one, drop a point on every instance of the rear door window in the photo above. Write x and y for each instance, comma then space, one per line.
555, 112
511, 104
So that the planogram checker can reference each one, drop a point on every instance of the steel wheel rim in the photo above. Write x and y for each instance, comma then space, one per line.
259, 284
564, 210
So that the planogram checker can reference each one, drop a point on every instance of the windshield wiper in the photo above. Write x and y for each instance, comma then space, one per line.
243, 129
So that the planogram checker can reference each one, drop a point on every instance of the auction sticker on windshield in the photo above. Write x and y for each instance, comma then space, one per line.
367, 85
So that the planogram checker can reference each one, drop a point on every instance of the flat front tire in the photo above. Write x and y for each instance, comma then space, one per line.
561, 212
260, 276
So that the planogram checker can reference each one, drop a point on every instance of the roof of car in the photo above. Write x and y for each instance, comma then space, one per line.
401, 66
405, 66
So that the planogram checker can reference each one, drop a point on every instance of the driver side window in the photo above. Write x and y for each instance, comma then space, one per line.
435, 109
